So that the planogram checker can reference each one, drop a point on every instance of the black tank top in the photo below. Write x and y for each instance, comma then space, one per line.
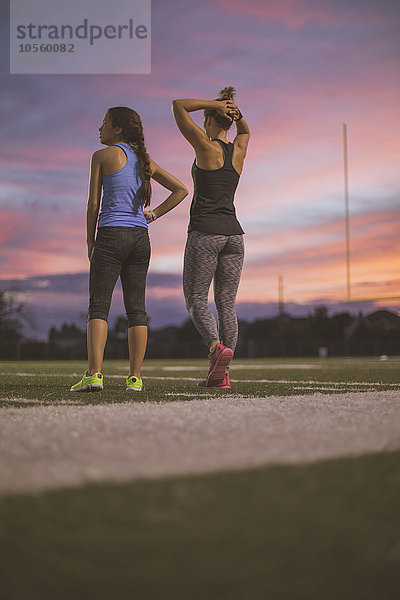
212, 209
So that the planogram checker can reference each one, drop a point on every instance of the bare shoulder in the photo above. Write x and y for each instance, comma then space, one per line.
110, 159
100, 155
108, 152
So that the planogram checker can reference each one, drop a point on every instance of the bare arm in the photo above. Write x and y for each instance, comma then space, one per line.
241, 140
192, 132
171, 183
93, 203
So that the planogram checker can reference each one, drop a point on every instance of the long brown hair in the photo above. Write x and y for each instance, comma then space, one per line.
132, 130
228, 93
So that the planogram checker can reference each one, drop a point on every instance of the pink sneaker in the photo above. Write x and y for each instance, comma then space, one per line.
219, 361
225, 385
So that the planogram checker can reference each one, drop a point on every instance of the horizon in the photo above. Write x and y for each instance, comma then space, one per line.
50, 302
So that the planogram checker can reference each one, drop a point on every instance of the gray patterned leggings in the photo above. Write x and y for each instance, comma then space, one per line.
220, 258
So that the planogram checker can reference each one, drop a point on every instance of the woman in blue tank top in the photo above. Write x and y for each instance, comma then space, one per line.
214, 248
121, 248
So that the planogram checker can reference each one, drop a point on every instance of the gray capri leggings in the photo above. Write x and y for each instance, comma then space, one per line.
220, 258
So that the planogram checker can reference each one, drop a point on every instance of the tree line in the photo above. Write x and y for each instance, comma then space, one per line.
317, 334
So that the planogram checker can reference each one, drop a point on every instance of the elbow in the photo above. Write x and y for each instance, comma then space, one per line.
181, 193
176, 105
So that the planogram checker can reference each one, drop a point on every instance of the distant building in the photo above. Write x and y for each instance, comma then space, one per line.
385, 318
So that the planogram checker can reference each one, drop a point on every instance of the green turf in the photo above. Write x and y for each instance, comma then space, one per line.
49, 382
324, 531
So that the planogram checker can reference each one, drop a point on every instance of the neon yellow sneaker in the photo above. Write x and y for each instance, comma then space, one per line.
133, 383
88, 383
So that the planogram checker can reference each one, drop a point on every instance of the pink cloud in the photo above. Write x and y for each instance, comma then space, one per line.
43, 156
13, 226
32, 243
312, 269
295, 13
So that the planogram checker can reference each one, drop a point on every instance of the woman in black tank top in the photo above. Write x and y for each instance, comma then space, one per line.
214, 248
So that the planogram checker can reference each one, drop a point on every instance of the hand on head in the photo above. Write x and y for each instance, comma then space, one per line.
228, 109
235, 112
225, 108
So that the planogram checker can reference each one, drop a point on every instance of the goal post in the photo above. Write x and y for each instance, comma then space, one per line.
347, 227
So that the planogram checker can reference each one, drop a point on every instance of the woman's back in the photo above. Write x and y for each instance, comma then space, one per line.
121, 202
211, 156
212, 209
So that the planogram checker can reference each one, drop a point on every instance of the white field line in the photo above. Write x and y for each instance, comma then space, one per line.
311, 382
233, 366
47, 374
294, 381
42, 402
277, 366
285, 381
190, 394
22, 400
35, 374
335, 389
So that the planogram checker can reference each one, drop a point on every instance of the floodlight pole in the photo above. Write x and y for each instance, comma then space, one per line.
346, 201
346, 204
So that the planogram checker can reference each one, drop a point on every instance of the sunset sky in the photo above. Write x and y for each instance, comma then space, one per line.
301, 68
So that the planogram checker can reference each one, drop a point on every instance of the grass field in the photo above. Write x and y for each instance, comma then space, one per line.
167, 380
327, 530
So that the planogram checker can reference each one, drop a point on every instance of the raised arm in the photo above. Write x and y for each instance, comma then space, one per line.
241, 140
93, 202
171, 183
196, 136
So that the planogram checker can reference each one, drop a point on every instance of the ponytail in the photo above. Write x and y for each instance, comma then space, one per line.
228, 93
132, 130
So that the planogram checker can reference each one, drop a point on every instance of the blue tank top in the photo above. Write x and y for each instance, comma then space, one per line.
121, 205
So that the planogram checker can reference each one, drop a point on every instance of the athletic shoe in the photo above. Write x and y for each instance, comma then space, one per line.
219, 361
226, 381
88, 383
225, 385
133, 383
